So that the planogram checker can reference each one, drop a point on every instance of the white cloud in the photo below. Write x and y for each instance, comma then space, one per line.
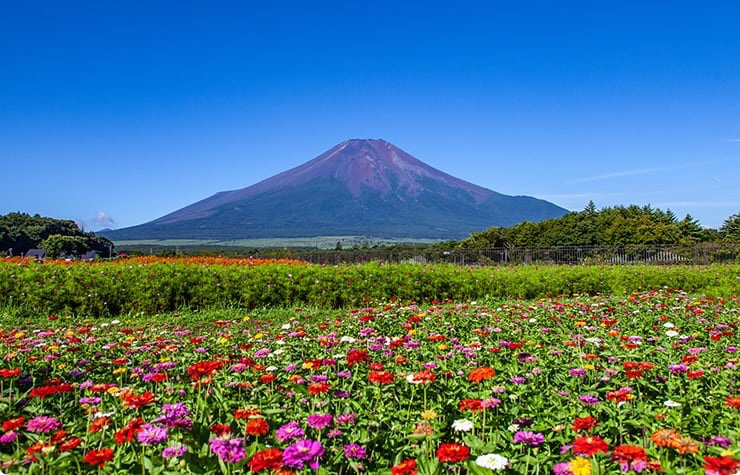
624, 173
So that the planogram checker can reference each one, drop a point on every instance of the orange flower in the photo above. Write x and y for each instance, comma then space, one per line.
585, 423
453, 452
733, 402
258, 426
685, 445
407, 467
138, 400
664, 437
481, 374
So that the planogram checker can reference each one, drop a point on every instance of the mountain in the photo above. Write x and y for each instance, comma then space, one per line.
358, 188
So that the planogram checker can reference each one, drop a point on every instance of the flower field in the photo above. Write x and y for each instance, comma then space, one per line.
643, 383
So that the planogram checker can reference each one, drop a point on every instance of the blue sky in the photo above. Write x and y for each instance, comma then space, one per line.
116, 113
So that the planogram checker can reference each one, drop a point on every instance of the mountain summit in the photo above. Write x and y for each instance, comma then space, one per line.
359, 187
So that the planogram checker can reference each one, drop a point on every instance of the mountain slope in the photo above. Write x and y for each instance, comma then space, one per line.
359, 187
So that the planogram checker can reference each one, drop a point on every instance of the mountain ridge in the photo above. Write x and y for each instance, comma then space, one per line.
360, 186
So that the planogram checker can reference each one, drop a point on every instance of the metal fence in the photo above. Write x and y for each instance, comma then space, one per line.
576, 255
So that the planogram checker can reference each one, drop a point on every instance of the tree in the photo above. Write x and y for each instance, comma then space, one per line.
730, 229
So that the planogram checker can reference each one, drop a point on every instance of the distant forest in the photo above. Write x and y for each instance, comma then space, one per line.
619, 225
20, 232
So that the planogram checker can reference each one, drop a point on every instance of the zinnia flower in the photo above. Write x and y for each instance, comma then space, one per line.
229, 449
98, 457
453, 452
303, 451
268, 459
492, 461
354, 451
462, 425
407, 467
529, 438
43, 424
151, 434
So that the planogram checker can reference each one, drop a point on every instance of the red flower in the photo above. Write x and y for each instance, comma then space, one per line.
733, 402
45, 391
10, 373
258, 426
720, 465
695, 374
138, 400
203, 368
624, 454
355, 356
453, 452
98, 424
470, 404
126, 434
634, 373
267, 378
69, 444
220, 429
245, 413
589, 446
407, 467
380, 377
13, 424
425, 376
318, 388
268, 459
98, 457
585, 423
481, 374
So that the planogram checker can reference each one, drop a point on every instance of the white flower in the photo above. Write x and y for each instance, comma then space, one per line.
670, 403
671, 333
347, 339
462, 425
668, 325
286, 326
115, 322
492, 461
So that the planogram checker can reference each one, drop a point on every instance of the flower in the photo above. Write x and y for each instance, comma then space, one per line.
664, 437
354, 451
670, 403
303, 451
580, 466
453, 452
492, 461
720, 465
462, 425
174, 451
319, 421
585, 423
257, 426
589, 446
529, 438
151, 434
630, 456
229, 449
127, 433
407, 467
268, 459
481, 374
98, 457
289, 431
43, 424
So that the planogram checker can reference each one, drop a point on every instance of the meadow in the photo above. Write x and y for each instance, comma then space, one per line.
396, 371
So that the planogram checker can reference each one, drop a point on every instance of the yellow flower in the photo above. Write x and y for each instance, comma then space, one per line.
442, 346
61, 366
580, 466
580, 323
428, 414
246, 319
258, 336
588, 366
53, 348
113, 391
412, 331
223, 340
119, 370
727, 453
10, 356
20, 335
164, 360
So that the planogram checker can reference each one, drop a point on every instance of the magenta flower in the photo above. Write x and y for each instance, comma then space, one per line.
354, 451
529, 438
43, 424
228, 448
319, 421
174, 451
151, 434
302, 452
289, 431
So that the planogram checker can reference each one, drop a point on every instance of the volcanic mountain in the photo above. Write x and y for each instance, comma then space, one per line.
358, 188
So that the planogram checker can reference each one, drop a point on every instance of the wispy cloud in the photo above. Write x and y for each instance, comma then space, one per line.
634, 172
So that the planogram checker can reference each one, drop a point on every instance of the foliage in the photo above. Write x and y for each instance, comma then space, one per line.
646, 383
730, 230
153, 285
21, 232
608, 226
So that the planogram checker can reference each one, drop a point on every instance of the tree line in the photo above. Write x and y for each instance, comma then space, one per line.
20, 232
619, 225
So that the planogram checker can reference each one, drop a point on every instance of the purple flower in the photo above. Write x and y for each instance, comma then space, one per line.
518, 380
346, 419
319, 421
529, 438
578, 372
589, 399
720, 441
334, 433
93, 401
302, 452
229, 449
354, 451
289, 431
562, 468
678, 368
151, 434
175, 415
43, 424
8, 437
174, 451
